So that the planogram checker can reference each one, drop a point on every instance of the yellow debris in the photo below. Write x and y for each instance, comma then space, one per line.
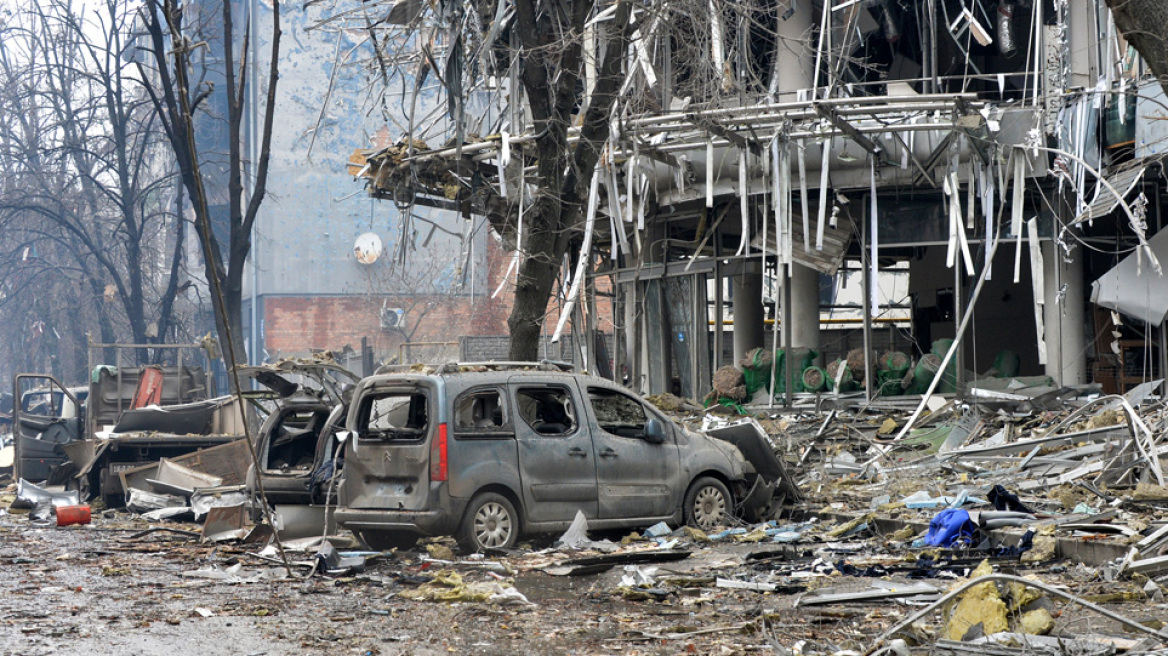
1020, 595
757, 535
448, 586
981, 604
1042, 550
440, 551
1036, 622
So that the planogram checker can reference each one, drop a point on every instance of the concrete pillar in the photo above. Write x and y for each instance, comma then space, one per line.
796, 70
1064, 317
796, 53
748, 319
1081, 44
804, 307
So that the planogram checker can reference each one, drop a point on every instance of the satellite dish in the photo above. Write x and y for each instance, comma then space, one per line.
367, 248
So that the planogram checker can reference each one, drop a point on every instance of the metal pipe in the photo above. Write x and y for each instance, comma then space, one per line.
866, 291
1009, 578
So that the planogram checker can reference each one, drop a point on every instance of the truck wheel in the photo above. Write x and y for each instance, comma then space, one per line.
707, 503
491, 522
386, 540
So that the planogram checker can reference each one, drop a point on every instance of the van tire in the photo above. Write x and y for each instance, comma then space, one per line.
490, 522
386, 540
708, 503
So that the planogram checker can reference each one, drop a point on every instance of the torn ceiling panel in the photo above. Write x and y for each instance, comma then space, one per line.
828, 260
1133, 288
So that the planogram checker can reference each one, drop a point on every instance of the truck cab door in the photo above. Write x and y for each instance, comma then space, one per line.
45, 417
557, 463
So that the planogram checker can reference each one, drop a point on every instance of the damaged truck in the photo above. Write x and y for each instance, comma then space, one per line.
128, 417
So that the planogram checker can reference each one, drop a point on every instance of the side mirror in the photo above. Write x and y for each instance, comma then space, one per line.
654, 432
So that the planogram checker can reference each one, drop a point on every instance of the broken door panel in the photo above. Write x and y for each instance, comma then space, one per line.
46, 418
635, 477
557, 459
388, 461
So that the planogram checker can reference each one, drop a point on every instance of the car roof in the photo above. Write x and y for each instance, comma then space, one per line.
467, 376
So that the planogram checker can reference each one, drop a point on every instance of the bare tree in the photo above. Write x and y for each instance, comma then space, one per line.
87, 176
174, 81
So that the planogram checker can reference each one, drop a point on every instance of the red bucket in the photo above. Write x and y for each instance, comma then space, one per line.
69, 515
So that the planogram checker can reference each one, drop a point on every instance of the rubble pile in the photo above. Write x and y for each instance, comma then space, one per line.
1030, 520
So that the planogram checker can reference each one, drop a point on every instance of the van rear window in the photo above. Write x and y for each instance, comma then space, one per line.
395, 416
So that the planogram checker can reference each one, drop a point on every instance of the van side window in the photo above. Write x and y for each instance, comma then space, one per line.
480, 412
547, 410
395, 416
616, 413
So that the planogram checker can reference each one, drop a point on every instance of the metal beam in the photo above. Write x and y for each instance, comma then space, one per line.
721, 131
840, 124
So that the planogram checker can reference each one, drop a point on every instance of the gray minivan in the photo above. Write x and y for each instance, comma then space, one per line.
489, 455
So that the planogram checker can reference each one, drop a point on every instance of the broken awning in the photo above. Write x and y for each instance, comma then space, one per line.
1133, 288
1105, 202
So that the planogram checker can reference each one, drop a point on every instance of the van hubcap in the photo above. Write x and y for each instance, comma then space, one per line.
492, 525
709, 507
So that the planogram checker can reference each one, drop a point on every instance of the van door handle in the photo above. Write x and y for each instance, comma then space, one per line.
577, 452
608, 453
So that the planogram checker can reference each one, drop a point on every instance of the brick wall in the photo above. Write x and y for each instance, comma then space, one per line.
296, 325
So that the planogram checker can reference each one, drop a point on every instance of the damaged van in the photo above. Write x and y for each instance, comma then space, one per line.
297, 442
489, 453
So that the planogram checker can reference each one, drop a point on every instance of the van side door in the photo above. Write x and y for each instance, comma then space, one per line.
557, 463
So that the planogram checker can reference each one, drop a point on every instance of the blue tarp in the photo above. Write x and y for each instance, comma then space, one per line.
950, 527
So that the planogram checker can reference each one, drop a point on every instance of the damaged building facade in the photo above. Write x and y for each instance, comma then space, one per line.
924, 181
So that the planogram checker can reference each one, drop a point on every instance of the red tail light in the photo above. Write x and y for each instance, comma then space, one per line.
438, 455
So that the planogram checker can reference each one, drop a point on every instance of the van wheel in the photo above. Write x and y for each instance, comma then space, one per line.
708, 503
386, 540
490, 523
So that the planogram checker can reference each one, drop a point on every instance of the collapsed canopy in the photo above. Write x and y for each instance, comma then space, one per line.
1133, 287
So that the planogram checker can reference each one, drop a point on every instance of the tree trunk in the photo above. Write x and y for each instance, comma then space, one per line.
537, 274
233, 299
564, 174
1140, 21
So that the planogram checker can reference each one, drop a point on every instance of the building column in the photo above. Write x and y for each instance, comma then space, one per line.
804, 307
796, 53
1064, 318
796, 64
748, 319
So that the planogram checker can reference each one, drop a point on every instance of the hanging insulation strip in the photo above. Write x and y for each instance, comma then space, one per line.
583, 258
823, 182
1038, 285
874, 244
1016, 212
743, 204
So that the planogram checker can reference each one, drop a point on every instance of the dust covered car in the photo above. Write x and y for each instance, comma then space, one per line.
489, 453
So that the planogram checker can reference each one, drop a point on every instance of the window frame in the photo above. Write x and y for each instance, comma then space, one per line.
504, 431
566, 390
363, 415
645, 409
